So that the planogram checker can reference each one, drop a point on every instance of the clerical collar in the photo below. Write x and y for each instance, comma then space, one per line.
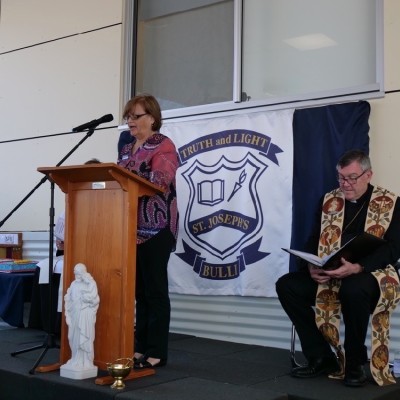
361, 200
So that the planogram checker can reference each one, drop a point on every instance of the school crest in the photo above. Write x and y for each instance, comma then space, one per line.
224, 203
223, 216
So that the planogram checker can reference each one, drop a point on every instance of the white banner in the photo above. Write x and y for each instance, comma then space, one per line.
234, 188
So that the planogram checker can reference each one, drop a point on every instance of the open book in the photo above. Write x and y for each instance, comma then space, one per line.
356, 248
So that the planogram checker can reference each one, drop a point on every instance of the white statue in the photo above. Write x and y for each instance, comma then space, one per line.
81, 304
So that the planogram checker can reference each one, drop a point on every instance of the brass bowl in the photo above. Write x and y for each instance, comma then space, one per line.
119, 371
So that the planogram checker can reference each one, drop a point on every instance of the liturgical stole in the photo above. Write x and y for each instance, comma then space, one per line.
327, 306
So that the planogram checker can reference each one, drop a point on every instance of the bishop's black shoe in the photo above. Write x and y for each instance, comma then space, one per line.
316, 367
355, 376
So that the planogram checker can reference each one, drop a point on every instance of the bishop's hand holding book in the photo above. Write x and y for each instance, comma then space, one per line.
356, 248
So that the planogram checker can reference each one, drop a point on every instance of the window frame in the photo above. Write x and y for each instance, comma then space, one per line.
363, 92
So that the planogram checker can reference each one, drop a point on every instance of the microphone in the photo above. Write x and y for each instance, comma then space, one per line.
94, 123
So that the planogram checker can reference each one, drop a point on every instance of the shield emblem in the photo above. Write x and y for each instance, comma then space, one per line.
224, 210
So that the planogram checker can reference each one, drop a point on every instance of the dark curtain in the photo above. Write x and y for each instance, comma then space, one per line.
320, 136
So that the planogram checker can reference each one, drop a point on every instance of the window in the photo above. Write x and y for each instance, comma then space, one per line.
295, 47
185, 51
201, 56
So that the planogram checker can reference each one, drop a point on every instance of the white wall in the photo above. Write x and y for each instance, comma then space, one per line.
59, 67
384, 120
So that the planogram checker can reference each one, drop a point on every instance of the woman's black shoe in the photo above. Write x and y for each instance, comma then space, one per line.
144, 363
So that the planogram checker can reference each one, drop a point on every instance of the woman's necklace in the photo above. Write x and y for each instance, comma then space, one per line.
352, 220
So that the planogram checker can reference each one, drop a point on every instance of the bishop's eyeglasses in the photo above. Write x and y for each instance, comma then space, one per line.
351, 180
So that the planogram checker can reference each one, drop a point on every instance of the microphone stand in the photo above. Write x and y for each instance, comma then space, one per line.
50, 339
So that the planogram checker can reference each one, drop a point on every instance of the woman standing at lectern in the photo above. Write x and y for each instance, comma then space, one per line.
152, 156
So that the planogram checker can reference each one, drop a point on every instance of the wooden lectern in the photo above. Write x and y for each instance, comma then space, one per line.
100, 232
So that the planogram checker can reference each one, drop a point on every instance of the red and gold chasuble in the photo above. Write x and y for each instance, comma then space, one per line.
327, 306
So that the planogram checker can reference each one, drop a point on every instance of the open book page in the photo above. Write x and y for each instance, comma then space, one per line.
356, 248
311, 258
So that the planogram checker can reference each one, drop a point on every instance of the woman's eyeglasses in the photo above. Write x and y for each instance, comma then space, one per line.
134, 117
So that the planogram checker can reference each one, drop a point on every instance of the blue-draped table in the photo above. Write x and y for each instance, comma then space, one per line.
15, 289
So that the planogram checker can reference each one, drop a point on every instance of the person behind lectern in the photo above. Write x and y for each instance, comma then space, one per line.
352, 290
152, 156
